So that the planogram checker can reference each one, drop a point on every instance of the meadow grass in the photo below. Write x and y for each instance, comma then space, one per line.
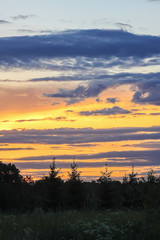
81, 225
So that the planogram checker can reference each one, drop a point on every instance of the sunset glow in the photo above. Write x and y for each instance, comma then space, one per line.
79, 86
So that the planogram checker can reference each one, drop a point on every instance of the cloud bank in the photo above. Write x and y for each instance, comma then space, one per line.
77, 136
78, 43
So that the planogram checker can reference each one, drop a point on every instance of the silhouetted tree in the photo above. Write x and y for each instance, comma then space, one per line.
53, 184
106, 194
132, 192
10, 186
152, 195
28, 179
53, 174
106, 176
74, 175
132, 176
9, 173
151, 178
74, 186
125, 179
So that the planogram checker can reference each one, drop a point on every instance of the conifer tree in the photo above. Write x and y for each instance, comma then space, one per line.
74, 175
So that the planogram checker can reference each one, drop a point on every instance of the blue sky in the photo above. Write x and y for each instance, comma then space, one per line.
138, 16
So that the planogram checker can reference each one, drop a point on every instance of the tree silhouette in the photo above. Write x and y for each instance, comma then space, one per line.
132, 177
74, 188
106, 194
53, 174
9, 173
74, 175
151, 178
106, 176
53, 187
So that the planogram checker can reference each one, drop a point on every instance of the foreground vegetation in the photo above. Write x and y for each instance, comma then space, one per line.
51, 193
83, 225
75, 210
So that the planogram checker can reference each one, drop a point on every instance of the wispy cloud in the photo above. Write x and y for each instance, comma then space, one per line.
106, 111
112, 100
60, 118
23, 17
78, 136
115, 158
3, 21
124, 26
15, 149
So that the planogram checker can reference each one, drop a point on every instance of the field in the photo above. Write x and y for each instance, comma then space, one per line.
83, 225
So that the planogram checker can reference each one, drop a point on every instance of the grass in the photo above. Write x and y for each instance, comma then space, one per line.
81, 225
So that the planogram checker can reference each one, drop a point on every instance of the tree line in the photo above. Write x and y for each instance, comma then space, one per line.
19, 193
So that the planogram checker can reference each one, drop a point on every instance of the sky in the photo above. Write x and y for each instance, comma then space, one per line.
80, 80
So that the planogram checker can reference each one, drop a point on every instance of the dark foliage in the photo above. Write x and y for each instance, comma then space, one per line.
74, 188
51, 192
9, 173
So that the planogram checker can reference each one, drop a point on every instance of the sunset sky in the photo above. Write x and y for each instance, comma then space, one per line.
80, 80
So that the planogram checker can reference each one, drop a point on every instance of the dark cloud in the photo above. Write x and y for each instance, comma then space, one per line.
154, 145
142, 84
59, 164
78, 94
146, 87
15, 149
154, 114
94, 43
64, 78
111, 79
139, 114
112, 100
82, 145
61, 118
123, 26
122, 158
106, 111
147, 92
23, 17
3, 21
78, 136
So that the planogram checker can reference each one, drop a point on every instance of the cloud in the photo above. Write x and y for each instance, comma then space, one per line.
114, 158
123, 26
82, 145
15, 149
106, 44
64, 78
154, 145
78, 94
61, 118
78, 136
59, 164
112, 100
3, 21
111, 79
23, 17
98, 83
154, 114
147, 92
106, 111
